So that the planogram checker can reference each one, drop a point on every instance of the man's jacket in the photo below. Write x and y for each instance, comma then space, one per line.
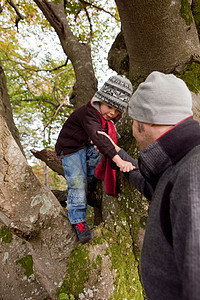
168, 174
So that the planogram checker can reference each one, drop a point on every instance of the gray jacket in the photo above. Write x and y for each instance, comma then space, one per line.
168, 174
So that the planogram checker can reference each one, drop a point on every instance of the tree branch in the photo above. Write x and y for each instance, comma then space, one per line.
99, 8
49, 157
91, 30
19, 15
37, 70
1, 8
54, 69
59, 107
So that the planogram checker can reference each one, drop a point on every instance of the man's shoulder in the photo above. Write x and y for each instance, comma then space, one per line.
192, 156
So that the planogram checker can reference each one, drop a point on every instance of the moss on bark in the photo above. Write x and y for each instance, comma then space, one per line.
5, 235
191, 76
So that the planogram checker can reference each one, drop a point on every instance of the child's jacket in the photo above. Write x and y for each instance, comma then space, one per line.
80, 128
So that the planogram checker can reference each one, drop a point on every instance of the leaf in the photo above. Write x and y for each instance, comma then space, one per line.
63, 296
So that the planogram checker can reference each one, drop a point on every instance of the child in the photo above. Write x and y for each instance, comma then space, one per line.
80, 158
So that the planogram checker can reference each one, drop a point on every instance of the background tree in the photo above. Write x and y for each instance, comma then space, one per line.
155, 36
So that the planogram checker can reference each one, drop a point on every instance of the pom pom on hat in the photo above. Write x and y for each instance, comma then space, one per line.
161, 99
115, 92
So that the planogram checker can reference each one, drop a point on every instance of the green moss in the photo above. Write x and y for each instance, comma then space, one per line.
134, 207
6, 235
186, 11
120, 251
99, 261
196, 14
191, 75
78, 271
27, 263
127, 282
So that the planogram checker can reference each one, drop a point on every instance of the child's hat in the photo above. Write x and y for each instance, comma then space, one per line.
162, 99
115, 92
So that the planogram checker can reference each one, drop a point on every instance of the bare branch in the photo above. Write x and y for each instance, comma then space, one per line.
60, 106
91, 30
11, 2
19, 15
47, 101
54, 69
99, 8
35, 70
1, 8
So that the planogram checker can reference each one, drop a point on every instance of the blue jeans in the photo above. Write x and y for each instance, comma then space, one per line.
79, 169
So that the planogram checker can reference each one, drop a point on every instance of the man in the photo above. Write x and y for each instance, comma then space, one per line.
168, 174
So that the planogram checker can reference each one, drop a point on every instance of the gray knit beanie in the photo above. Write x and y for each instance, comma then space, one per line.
161, 99
115, 92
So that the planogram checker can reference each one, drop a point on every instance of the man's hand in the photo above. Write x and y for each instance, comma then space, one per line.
124, 166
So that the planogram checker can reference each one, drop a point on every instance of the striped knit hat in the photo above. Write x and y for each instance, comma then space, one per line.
115, 92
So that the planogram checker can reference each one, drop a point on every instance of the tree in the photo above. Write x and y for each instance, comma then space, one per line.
159, 36
163, 38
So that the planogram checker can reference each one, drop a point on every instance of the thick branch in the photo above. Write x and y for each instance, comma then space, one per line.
49, 157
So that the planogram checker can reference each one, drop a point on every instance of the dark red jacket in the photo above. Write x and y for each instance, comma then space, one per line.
81, 127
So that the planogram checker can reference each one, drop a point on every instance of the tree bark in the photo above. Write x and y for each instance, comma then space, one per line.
159, 35
32, 212
49, 157
6, 109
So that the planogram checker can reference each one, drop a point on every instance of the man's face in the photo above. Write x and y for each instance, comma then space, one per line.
142, 133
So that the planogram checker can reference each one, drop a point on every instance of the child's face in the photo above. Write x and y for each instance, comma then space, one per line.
108, 112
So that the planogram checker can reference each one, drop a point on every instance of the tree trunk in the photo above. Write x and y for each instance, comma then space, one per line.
6, 109
32, 212
159, 35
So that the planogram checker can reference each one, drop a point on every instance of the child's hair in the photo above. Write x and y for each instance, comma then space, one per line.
115, 92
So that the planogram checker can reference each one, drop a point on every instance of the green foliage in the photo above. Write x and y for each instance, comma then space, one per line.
186, 11
27, 263
36, 91
38, 78
6, 235
64, 296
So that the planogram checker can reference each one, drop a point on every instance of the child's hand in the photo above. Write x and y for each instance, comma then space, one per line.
124, 166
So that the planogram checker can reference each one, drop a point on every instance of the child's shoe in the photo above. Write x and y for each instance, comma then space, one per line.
83, 232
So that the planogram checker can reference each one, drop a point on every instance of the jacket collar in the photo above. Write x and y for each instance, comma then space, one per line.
169, 149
